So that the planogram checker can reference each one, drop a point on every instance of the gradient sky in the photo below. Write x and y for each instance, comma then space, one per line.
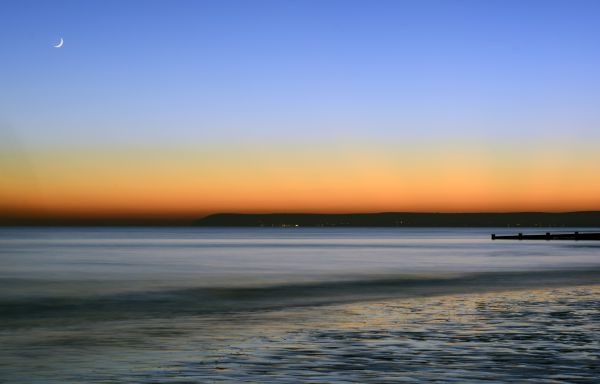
183, 108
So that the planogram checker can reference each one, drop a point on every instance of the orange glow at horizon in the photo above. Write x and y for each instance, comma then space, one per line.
189, 183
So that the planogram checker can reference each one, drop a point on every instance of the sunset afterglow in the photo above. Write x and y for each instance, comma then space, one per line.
189, 182
297, 107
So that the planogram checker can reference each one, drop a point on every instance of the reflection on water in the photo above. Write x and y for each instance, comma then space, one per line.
314, 305
545, 334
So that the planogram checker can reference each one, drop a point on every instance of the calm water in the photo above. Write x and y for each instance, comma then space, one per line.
289, 305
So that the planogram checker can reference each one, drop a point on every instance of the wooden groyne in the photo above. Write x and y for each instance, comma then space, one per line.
550, 236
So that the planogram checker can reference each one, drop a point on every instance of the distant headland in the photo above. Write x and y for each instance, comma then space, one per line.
404, 219
384, 219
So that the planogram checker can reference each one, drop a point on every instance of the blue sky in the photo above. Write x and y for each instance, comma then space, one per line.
189, 107
177, 72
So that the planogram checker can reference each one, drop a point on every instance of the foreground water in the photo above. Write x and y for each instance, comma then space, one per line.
289, 305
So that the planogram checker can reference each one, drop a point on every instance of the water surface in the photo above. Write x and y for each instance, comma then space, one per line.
294, 304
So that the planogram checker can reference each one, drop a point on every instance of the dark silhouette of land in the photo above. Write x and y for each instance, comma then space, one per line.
404, 219
388, 219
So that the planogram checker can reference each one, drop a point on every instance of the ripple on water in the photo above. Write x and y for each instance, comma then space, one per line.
548, 335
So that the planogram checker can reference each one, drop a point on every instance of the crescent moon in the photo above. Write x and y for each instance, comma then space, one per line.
59, 44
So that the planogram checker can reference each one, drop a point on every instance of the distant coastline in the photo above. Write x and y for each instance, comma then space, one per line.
404, 219
384, 219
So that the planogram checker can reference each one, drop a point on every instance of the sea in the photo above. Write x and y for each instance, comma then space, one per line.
290, 305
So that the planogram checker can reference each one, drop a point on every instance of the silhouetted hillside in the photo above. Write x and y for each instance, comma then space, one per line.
404, 219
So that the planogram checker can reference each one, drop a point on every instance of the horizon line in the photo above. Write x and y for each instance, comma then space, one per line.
180, 221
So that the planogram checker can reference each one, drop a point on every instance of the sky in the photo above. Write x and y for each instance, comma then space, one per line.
178, 109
